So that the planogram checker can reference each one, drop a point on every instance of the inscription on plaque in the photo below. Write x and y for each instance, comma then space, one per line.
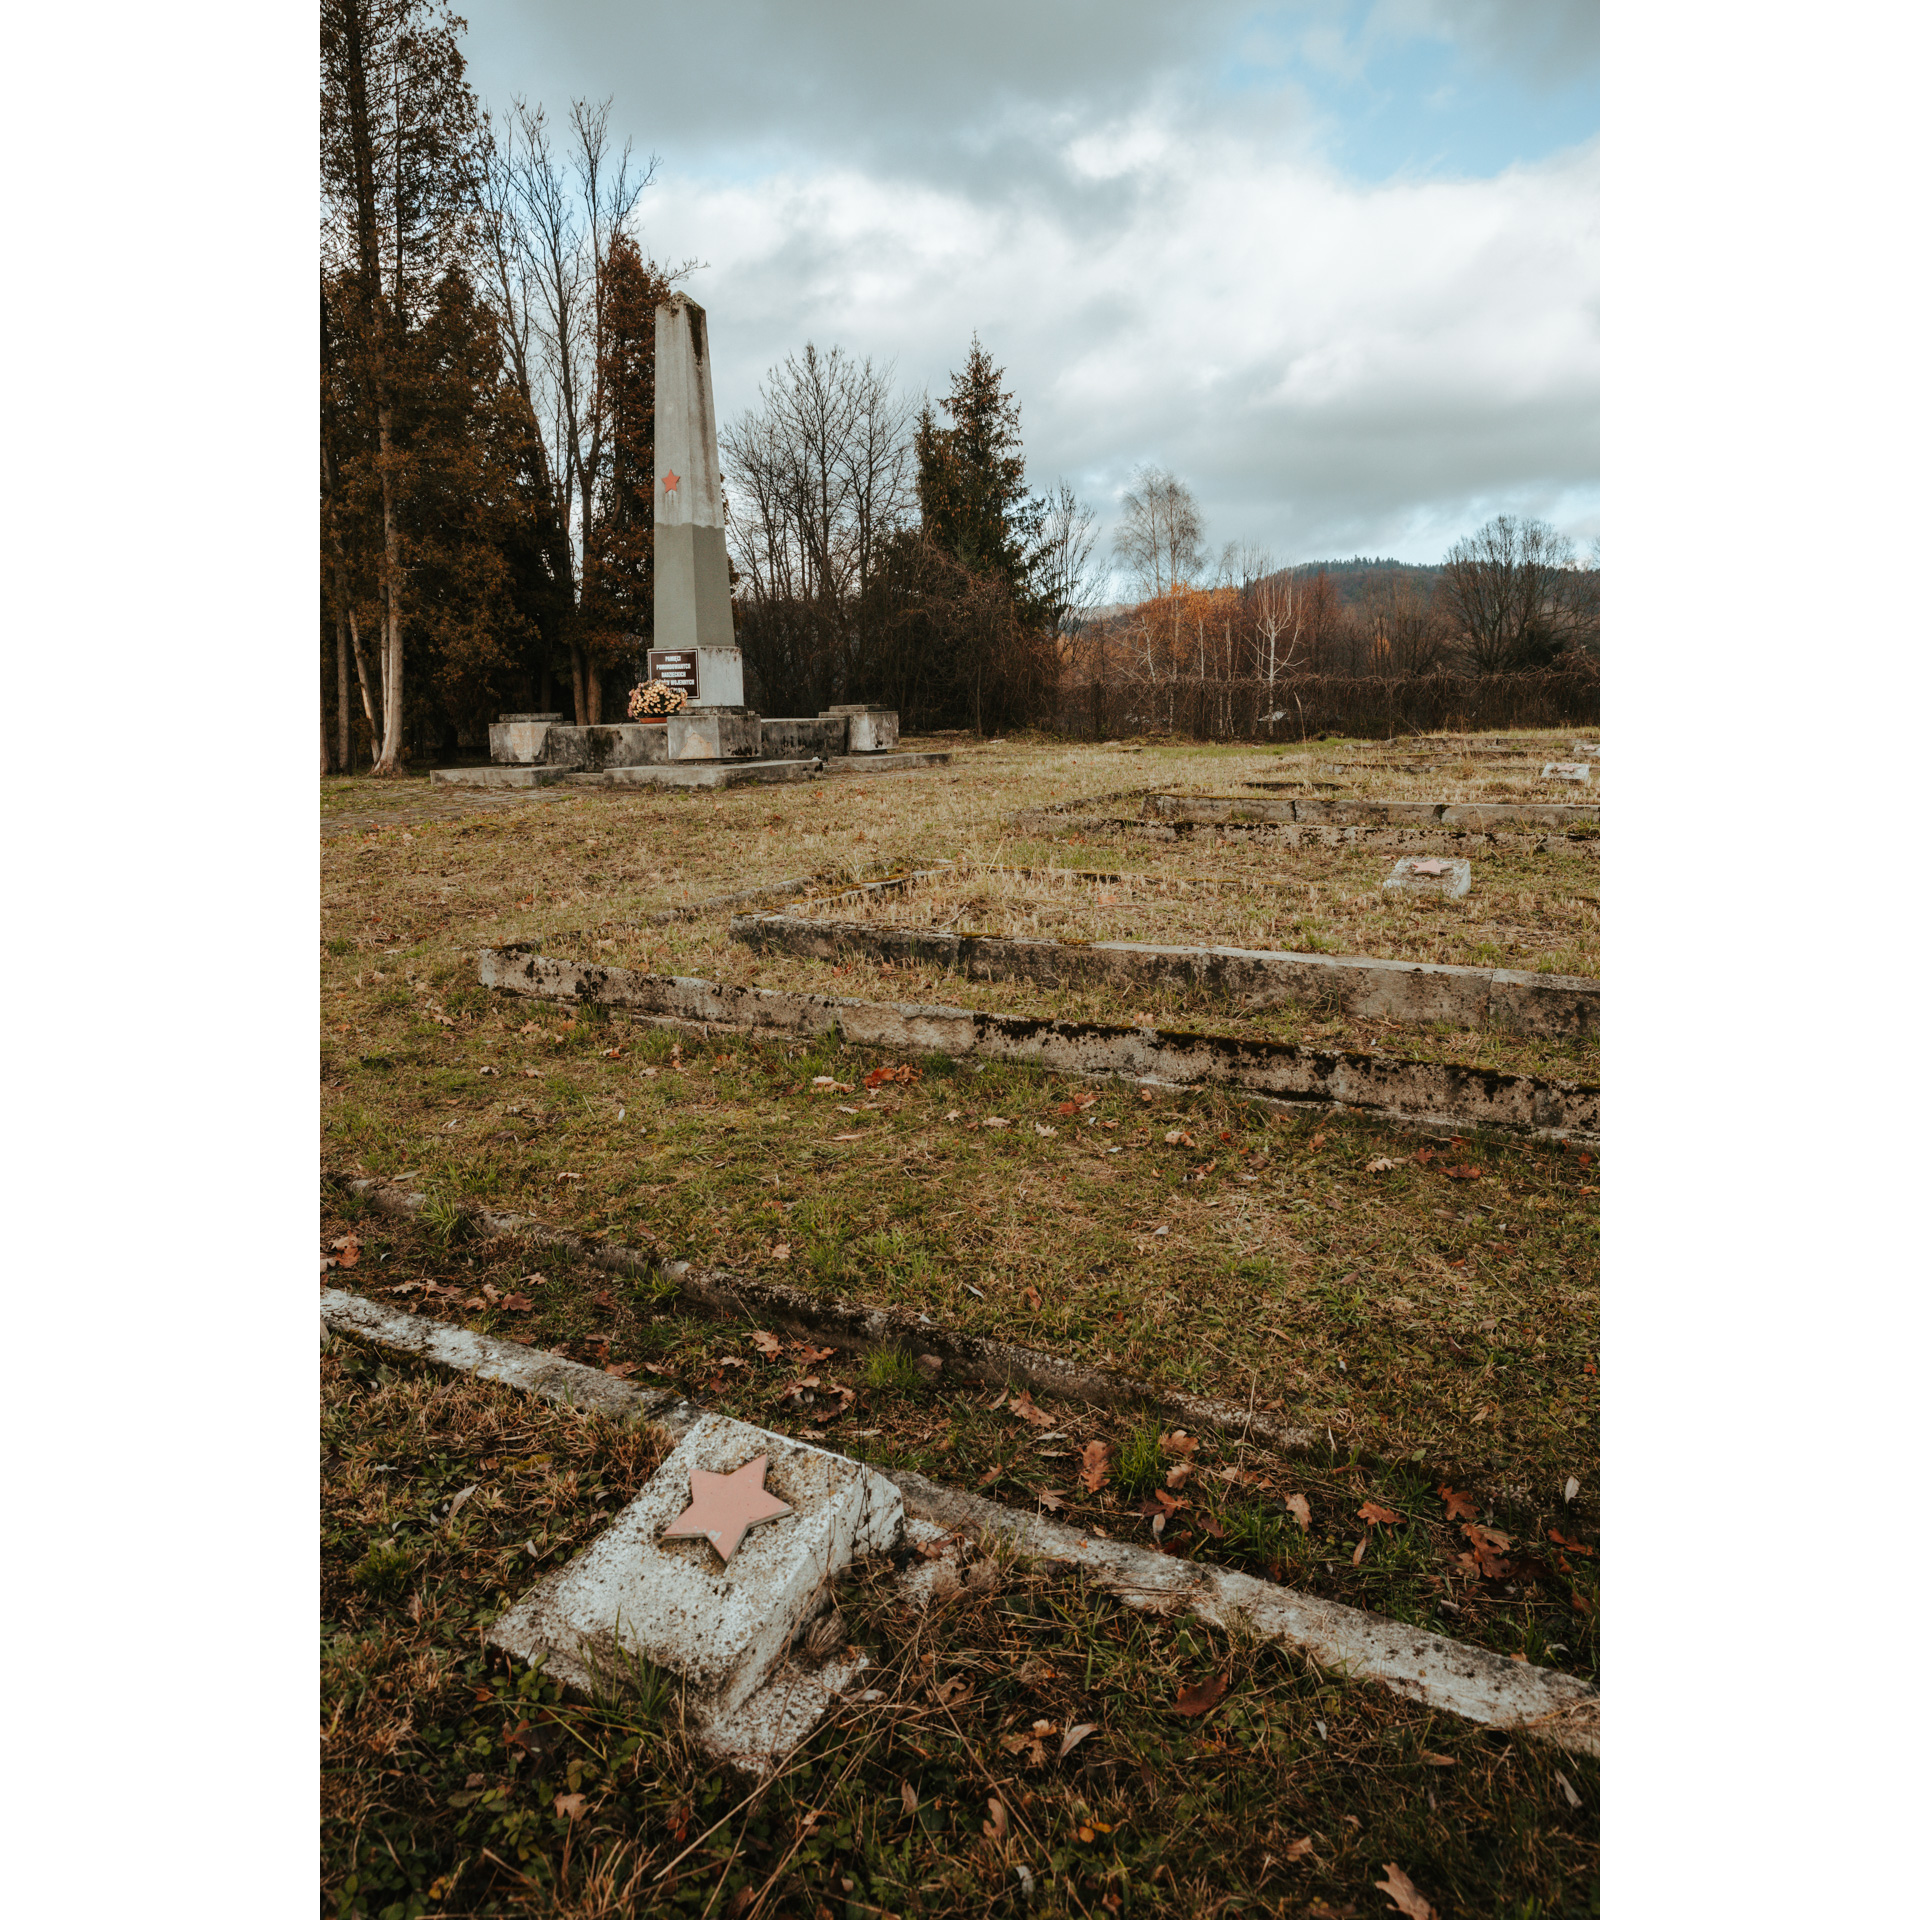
676, 667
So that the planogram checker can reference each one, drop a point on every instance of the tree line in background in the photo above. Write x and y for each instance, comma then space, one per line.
486, 397
486, 486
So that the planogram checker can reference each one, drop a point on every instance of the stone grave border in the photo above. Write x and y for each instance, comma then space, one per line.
1429, 1096
1550, 1005
939, 1351
1447, 1675
1472, 814
1051, 825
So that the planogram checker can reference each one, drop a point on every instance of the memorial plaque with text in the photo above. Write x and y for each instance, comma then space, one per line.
676, 668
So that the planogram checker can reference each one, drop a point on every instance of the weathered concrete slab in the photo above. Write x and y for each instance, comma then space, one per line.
713, 733
1373, 813
497, 776
700, 774
1541, 1004
519, 739
824, 737
1447, 1675
724, 1629
885, 762
872, 730
1427, 1667
1576, 770
1446, 878
565, 1382
1410, 1092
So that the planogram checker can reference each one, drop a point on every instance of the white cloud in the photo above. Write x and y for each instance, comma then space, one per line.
1332, 366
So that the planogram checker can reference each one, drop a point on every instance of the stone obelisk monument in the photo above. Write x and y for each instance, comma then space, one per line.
692, 599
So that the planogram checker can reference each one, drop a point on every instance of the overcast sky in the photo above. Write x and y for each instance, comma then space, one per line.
1336, 266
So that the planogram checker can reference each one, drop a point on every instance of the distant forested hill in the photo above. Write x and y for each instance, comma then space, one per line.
1354, 579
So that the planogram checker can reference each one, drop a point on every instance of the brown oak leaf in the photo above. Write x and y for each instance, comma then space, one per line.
1201, 1697
1405, 1895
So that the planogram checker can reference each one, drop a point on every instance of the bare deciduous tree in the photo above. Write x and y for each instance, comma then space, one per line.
1518, 595
819, 475
1067, 577
1160, 537
550, 222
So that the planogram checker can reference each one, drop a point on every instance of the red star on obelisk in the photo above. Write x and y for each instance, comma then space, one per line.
671, 481
725, 1505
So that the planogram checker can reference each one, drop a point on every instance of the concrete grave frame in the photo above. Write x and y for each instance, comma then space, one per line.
1537, 1004
1433, 1096
1446, 1675
1475, 815
1290, 836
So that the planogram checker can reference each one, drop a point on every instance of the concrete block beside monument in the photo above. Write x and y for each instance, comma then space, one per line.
1449, 879
518, 739
708, 676
727, 1629
825, 736
1577, 770
713, 734
870, 729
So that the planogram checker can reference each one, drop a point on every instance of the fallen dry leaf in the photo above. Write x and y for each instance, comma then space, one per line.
782, 1251
1095, 1465
1074, 1735
1053, 1503
1179, 1442
993, 1120
1296, 1504
1372, 1512
768, 1343
1201, 1697
995, 1824
1382, 1165
1024, 1409
348, 1249
1178, 1476
621, 1368
517, 1303
1560, 1539
570, 1806
909, 1800
1031, 1296
1458, 1505
1178, 1137
1404, 1894
1299, 1849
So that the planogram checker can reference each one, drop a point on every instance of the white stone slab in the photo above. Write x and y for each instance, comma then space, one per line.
517, 742
874, 731
724, 1629
1567, 770
1415, 874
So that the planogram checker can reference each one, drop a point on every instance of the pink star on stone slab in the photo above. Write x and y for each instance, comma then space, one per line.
1430, 866
725, 1505
671, 481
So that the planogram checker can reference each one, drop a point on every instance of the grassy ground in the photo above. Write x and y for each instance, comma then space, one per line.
1535, 910
451, 1786
1434, 1312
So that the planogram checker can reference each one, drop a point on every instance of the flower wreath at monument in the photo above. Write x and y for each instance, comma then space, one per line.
654, 700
